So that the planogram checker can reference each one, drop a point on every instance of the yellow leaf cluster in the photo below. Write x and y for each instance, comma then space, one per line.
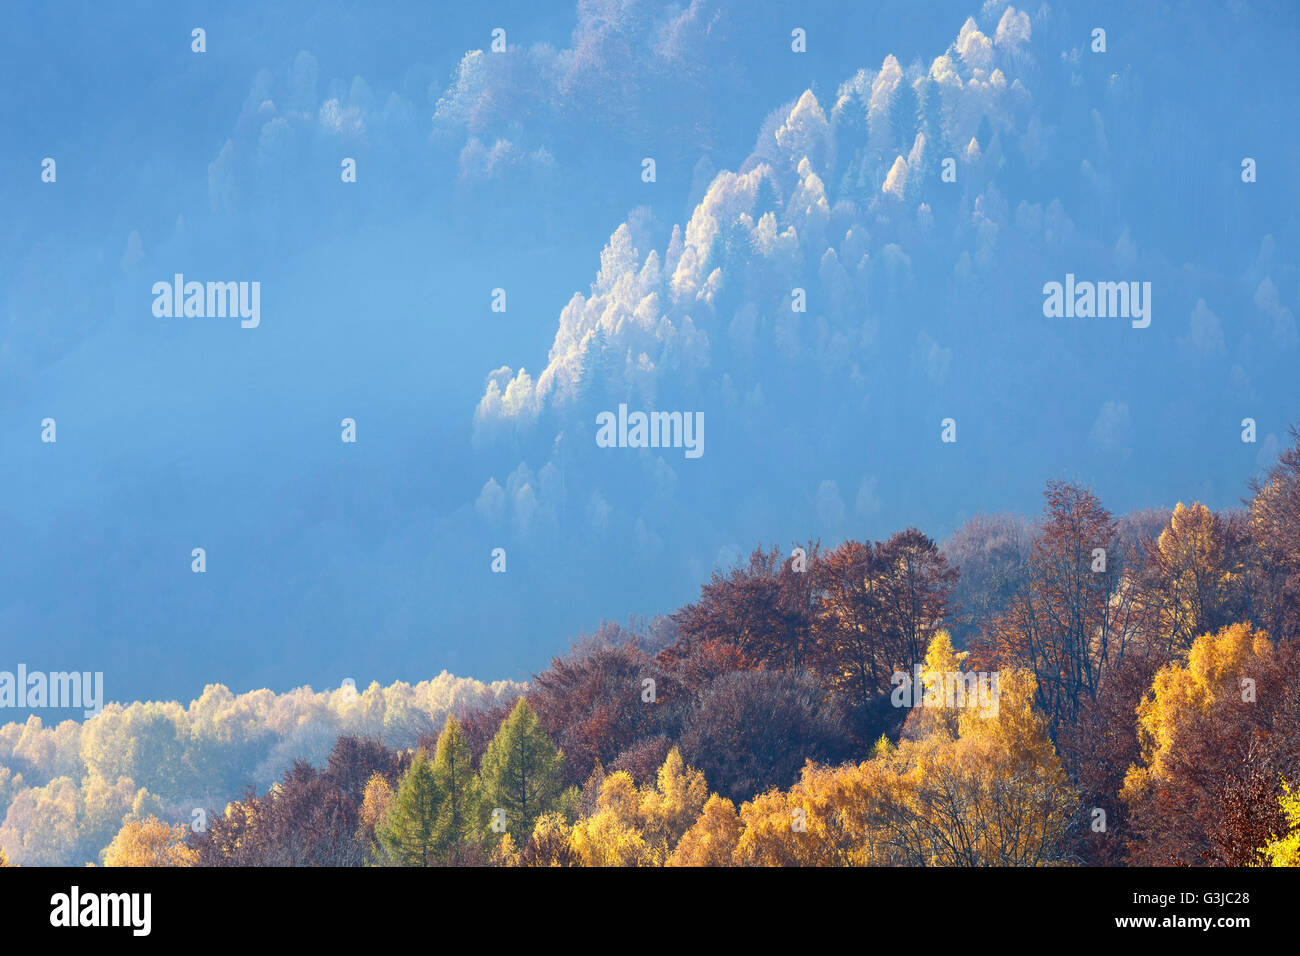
150, 842
1212, 668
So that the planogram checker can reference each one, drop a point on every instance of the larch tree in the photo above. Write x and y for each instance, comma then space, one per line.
460, 820
673, 804
522, 772
408, 833
1189, 581
375, 801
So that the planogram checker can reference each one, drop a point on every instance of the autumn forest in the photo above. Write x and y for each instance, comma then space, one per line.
1146, 712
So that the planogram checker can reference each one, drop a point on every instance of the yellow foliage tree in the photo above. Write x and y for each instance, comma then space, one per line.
612, 836
505, 853
669, 809
995, 796
1193, 575
942, 691
983, 789
830, 817
771, 834
712, 839
1184, 689
551, 843
1285, 850
641, 827
150, 842
375, 801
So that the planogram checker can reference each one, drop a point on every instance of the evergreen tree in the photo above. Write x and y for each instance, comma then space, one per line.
522, 771
460, 820
601, 382
408, 833
766, 199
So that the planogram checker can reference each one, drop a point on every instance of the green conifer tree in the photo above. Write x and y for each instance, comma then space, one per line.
408, 835
522, 772
460, 819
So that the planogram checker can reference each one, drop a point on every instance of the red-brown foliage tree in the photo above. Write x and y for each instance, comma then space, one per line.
1070, 622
